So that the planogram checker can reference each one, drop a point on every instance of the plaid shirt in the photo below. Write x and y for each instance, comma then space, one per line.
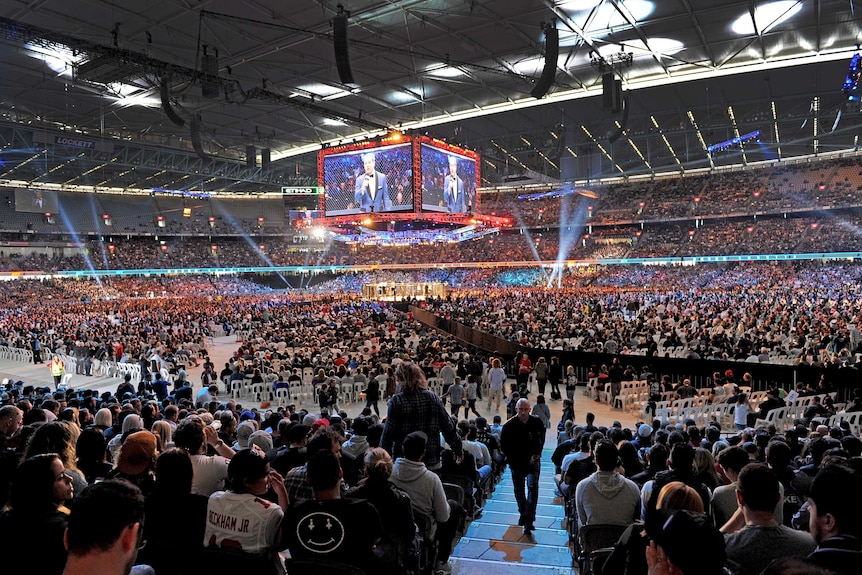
421, 410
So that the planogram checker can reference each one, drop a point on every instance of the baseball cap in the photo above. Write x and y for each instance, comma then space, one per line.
644, 430
243, 432
137, 453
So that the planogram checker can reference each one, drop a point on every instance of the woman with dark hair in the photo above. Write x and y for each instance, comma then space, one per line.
35, 516
92, 450
255, 523
169, 549
394, 550
629, 457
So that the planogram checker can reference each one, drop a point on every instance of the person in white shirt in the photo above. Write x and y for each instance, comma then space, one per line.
240, 519
496, 377
210, 472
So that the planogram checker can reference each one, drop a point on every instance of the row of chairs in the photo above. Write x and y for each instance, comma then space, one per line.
18, 354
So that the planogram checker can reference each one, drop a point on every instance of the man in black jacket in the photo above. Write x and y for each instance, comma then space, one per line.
522, 441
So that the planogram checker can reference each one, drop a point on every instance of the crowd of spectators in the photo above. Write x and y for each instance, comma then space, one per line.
692, 499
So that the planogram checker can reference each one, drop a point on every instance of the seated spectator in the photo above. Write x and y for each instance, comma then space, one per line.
762, 539
92, 452
36, 513
440, 516
169, 548
835, 518
296, 481
240, 518
681, 463
100, 542
136, 462
629, 555
606, 497
294, 454
329, 527
687, 544
396, 552
210, 472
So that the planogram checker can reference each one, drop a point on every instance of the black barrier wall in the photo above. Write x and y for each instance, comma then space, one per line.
700, 371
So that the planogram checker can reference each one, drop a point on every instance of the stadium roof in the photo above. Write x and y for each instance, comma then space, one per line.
133, 74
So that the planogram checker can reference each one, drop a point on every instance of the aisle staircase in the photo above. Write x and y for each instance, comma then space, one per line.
495, 544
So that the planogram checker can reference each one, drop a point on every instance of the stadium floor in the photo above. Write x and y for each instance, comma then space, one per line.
223, 349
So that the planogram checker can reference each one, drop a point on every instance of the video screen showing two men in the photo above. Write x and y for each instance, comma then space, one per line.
381, 180
369, 181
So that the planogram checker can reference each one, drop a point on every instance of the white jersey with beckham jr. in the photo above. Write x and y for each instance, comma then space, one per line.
242, 521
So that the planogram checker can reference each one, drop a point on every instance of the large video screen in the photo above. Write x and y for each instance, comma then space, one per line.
37, 201
370, 180
448, 181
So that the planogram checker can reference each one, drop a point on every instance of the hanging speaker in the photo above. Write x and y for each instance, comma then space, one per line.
166, 104
549, 72
250, 158
339, 39
196, 139
264, 159
612, 90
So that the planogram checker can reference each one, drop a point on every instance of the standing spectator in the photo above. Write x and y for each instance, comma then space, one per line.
470, 391
555, 376
416, 408
522, 441
57, 368
525, 366
741, 411
372, 394
456, 397
496, 379
542, 373
571, 383
542, 411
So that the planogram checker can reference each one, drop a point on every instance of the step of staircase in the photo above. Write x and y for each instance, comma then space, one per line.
495, 543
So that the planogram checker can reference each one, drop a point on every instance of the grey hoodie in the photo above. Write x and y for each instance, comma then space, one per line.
607, 498
424, 488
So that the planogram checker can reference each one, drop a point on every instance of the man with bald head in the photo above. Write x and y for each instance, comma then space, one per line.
522, 441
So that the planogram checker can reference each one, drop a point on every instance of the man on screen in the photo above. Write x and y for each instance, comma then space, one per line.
453, 189
372, 193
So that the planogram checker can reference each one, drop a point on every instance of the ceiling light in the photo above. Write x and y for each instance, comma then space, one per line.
57, 57
444, 71
323, 90
606, 18
333, 122
767, 17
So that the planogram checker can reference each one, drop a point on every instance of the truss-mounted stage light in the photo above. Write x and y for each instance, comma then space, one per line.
339, 40
552, 52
